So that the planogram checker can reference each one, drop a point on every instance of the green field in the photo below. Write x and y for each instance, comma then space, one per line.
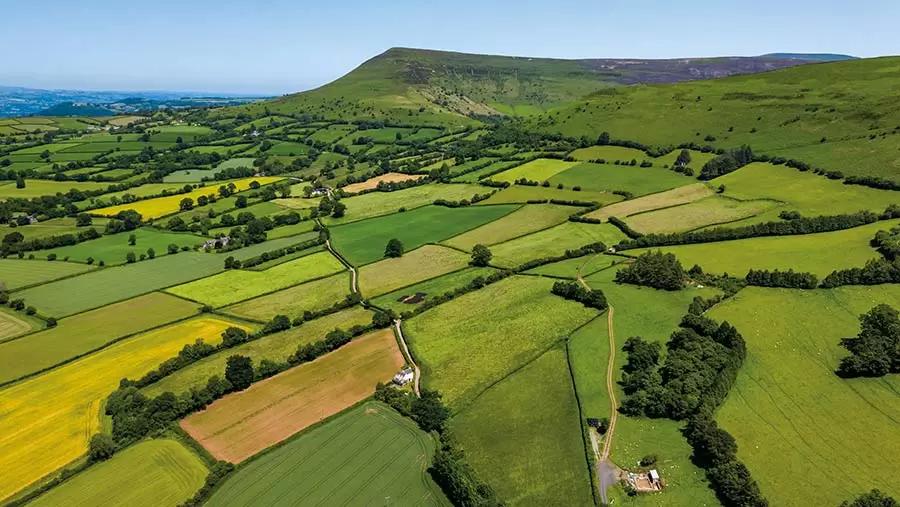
610, 154
382, 203
112, 249
237, 285
422, 263
17, 273
819, 254
541, 169
787, 385
588, 350
82, 333
578, 266
525, 220
368, 455
293, 301
609, 177
552, 242
276, 347
52, 227
363, 242
462, 354
430, 288
713, 210
523, 436
524, 193
13, 324
154, 473
105, 286
37, 188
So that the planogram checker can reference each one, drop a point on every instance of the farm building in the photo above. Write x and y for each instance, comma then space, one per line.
404, 376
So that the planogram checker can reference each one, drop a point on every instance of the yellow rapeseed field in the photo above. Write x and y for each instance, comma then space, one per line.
46, 421
162, 206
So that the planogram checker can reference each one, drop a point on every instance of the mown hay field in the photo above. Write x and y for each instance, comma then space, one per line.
82, 333
819, 254
525, 220
362, 457
293, 301
364, 241
237, 285
421, 264
713, 210
462, 354
679, 195
610, 177
553, 241
276, 347
373, 182
521, 194
18, 273
104, 286
112, 249
50, 418
787, 386
14, 324
152, 473
407, 298
162, 206
242, 424
541, 169
523, 436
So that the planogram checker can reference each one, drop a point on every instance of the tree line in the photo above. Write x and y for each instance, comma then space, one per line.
592, 298
875, 351
786, 279
654, 269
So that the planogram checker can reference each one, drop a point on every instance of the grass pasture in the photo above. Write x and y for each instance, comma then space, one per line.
787, 385
79, 334
361, 457
18, 273
553, 241
819, 254
242, 424
610, 177
237, 285
153, 473
276, 347
49, 418
523, 436
610, 154
399, 301
37, 188
113, 248
462, 354
364, 241
524, 193
382, 203
525, 220
52, 227
541, 169
713, 210
104, 286
293, 301
421, 264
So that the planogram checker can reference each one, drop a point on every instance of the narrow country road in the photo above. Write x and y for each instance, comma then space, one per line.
354, 284
606, 470
416, 373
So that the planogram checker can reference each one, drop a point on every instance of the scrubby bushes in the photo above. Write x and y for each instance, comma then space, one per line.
654, 269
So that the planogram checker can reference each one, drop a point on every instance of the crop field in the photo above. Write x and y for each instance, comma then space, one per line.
410, 297
788, 384
51, 417
364, 241
535, 406
819, 254
237, 285
373, 182
104, 286
157, 473
525, 220
609, 177
680, 195
293, 301
361, 457
713, 210
382, 203
241, 424
422, 263
457, 344
276, 347
113, 248
162, 206
525, 193
541, 169
18, 273
553, 241
82, 333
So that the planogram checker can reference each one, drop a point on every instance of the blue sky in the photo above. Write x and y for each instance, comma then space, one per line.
280, 46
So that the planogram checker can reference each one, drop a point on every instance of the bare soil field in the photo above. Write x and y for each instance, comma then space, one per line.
373, 182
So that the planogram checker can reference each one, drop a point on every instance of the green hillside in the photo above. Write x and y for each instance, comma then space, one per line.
842, 116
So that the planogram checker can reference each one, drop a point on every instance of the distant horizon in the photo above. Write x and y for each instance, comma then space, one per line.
282, 47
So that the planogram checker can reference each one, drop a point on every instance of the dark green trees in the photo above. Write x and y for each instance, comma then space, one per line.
874, 498
654, 269
576, 292
481, 255
876, 349
239, 371
394, 248
101, 447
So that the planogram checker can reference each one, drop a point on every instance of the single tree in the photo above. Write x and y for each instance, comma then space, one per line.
394, 248
481, 255
239, 371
